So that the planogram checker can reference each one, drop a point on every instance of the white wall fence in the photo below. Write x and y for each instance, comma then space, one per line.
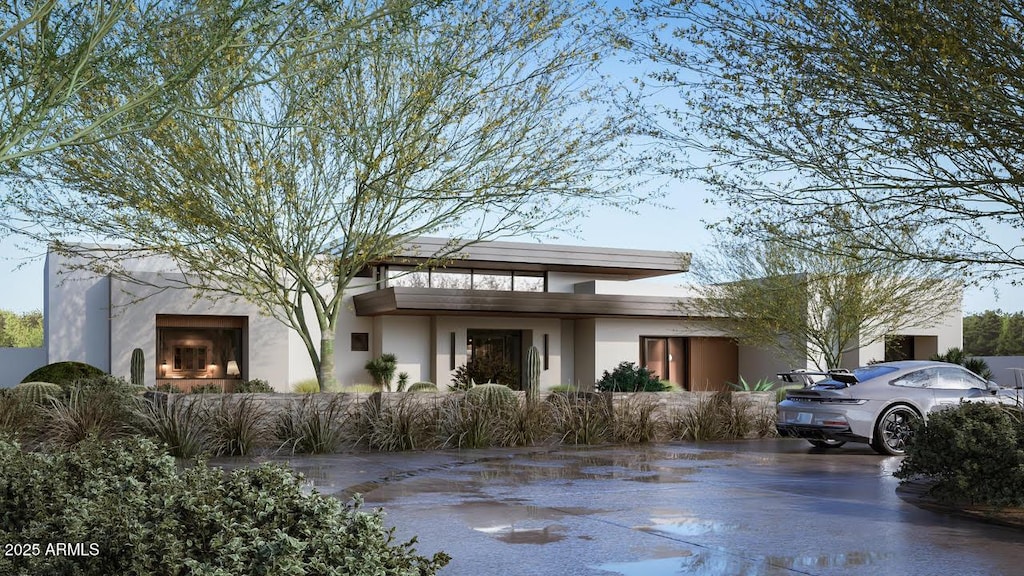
1001, 369
16, 363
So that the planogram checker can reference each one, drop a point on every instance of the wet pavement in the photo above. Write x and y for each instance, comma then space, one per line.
773, 507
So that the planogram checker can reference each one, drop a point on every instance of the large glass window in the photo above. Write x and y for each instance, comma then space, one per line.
492, 280
528, 281
464, 279
199, 347
451, 278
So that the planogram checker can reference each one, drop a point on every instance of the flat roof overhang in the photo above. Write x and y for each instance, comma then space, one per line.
402, 301
622, 262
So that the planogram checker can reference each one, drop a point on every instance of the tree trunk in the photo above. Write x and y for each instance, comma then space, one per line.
325, 374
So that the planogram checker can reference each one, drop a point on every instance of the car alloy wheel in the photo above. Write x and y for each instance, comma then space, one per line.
894, 429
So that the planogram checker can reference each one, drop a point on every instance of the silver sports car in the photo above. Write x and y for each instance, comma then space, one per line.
876, 404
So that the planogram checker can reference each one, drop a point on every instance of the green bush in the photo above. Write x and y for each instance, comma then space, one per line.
311, 386
254, 387
207, 388
974, 453
628, 377
63, 373
136, 513
382, 370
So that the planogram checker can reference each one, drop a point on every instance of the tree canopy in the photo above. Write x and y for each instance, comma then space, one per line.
817, 305
24, 330
471, 119
909, 112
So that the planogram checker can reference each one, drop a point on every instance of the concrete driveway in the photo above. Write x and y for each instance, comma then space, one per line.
756, 507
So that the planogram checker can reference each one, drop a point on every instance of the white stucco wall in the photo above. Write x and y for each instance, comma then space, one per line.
618, 340
18, 363
76, 312
133, 325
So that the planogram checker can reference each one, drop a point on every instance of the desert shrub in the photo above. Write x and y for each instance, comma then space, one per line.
146, 517
974, 453
236, 424
423, 387
635, 421
311, 386
20, 417
313, 425
628, 377
207, 388
63, 373
169, 388
526, 424
563, 388
485, 369
718, 416
463, 423
398, 423
178, 425
255, 386
581, 418
361, 389
103, 407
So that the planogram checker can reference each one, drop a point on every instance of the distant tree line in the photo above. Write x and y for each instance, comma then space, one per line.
994, 333
23, 330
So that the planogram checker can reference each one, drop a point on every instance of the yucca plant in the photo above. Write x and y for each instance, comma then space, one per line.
179, 425
237, 424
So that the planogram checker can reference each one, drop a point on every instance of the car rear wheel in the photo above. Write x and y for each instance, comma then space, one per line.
827, 443
894, 429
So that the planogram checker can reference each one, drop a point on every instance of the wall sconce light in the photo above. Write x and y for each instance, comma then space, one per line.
163, 369
232, 369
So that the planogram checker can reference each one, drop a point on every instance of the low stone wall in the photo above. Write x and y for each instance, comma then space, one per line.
667, 402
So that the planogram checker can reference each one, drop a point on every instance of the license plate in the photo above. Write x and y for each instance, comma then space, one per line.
804, 418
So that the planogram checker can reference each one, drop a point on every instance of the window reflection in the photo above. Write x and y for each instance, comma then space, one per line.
463, 279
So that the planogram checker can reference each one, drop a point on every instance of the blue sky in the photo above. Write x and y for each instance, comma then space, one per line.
677, 227
676, 223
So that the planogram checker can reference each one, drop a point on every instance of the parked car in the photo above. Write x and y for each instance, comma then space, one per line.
877, 404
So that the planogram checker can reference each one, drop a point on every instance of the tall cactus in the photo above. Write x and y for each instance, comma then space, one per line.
532, 372
138, 367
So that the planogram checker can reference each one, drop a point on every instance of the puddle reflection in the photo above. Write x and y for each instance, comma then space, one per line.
718, 563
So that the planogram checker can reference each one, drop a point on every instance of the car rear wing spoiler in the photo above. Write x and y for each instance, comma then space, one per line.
807, 377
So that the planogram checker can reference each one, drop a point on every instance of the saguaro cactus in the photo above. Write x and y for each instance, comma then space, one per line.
138, 367
532, 372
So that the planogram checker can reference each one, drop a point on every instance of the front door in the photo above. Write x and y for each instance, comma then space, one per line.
665, 357
495, 356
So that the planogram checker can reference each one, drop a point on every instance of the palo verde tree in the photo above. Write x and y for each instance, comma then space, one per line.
471, 119
907, 111
816, 305
76, 71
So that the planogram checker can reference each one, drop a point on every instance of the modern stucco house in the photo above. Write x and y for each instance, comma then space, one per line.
586, 309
